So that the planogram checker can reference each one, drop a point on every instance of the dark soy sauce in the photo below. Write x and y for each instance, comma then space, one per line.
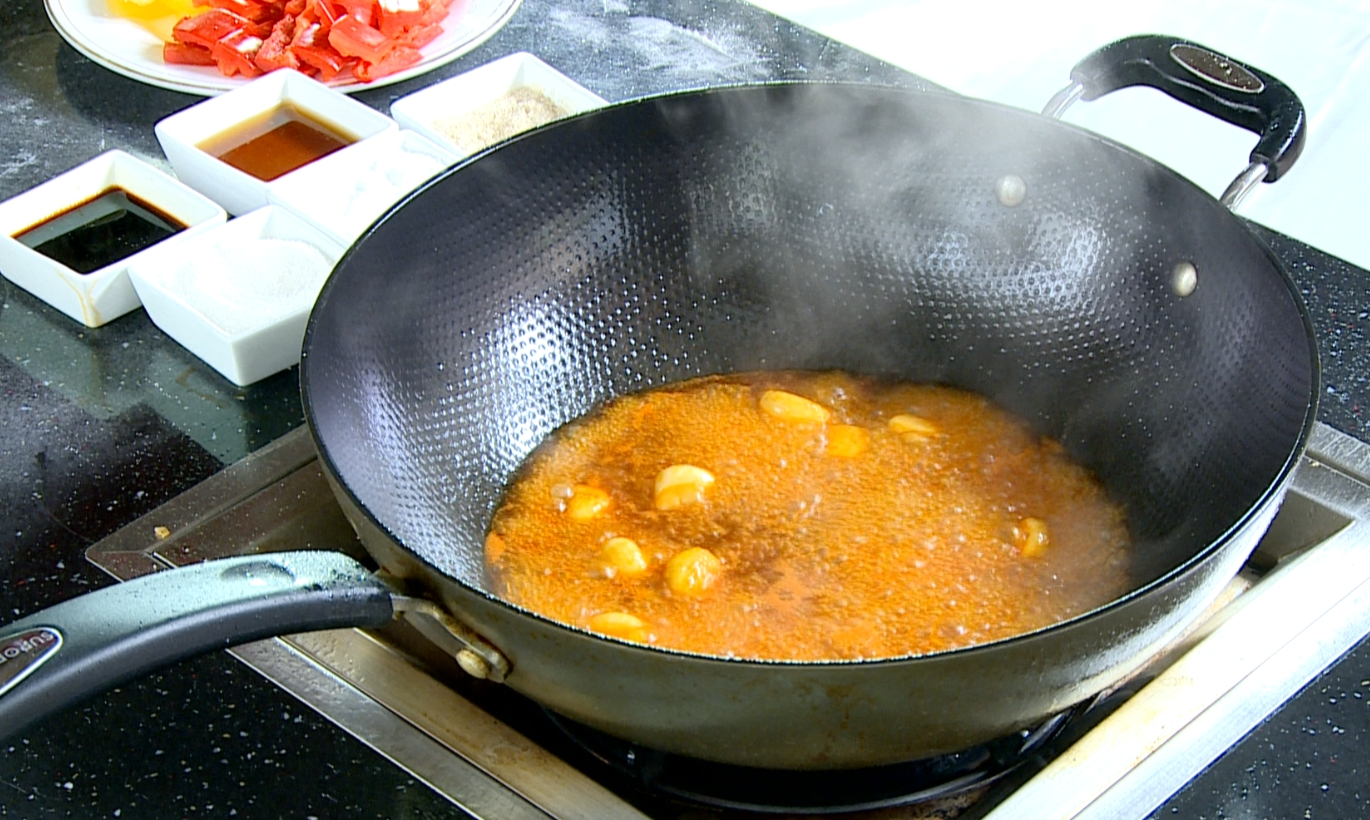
110, 226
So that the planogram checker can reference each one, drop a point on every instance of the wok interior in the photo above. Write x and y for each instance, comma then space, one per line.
808, 227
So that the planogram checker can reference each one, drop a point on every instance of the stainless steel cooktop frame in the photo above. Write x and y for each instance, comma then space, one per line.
1303, 601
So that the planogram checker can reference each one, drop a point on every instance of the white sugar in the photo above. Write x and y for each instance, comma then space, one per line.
240, 287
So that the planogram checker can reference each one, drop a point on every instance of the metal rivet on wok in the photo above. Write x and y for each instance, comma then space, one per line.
473, 664
1011, 190
1184, 278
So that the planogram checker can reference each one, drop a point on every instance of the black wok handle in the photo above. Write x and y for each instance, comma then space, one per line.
64, 654
1200, 77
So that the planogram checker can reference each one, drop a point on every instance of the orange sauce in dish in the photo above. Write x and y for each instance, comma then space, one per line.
805, 516
276, 143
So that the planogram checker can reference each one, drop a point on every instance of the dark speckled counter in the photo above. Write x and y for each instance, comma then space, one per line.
100, 426
1310, 758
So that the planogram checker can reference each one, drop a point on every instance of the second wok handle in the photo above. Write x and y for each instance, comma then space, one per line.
1204, 79
68, 652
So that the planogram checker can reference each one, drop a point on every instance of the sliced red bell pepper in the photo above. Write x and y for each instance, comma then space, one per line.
235, 54
275, 51
435, 11
258, 11
420, 36
348, 67
399, 58
208, 28
324, 11
309, 34
328, 62
325, 38
183, 54
353, 38
393, 17
362, 10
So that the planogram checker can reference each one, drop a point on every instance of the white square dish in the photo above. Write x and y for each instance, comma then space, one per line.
244, 113
474, 110
85, 206
343, 194
239, 296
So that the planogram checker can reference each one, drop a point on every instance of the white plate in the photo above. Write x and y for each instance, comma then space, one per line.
125, 47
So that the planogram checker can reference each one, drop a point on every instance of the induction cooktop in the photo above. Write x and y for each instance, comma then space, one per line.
1301, 601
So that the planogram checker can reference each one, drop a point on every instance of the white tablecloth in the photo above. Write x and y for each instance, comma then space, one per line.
1021, 53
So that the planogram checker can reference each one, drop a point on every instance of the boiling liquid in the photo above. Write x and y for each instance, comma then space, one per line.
276, 143
100, 231
907, 544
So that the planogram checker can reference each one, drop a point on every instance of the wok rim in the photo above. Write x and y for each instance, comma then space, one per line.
1273, 494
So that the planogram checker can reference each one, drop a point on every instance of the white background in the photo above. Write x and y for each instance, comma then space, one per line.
1020, 53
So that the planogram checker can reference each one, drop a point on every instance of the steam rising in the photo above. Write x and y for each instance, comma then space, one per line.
819, 227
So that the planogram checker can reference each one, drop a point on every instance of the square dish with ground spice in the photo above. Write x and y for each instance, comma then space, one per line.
489, 104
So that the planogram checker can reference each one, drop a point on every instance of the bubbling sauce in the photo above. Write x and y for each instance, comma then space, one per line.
805, 516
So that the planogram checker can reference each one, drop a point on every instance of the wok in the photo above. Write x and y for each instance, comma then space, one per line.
789, 226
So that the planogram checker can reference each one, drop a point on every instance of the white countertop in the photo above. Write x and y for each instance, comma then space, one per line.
1020, 54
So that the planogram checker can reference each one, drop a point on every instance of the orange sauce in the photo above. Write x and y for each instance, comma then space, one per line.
901, 519
276, 143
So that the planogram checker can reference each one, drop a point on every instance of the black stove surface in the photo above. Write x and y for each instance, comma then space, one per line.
1308, 758
688, 782
1305, 760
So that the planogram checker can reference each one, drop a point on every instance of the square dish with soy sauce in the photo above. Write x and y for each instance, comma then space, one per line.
70, 240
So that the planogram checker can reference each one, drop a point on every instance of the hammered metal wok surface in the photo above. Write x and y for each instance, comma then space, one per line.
814, 227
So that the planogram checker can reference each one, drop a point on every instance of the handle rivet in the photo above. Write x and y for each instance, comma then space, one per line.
1011, 190
473, 664
1184, 279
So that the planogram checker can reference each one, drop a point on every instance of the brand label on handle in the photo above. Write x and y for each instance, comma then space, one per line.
1216, 68
23, 652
